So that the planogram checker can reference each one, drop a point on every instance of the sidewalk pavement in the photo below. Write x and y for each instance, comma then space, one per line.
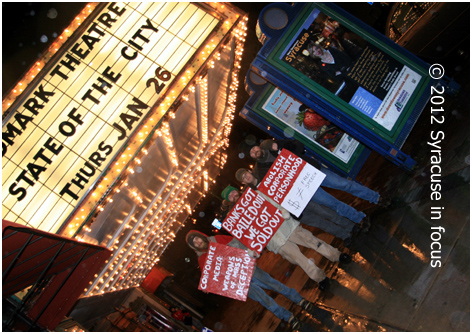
392, 284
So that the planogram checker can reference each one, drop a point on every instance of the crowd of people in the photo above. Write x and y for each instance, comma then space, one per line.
323, 211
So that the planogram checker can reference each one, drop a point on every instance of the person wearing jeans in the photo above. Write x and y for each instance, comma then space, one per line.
288, 238
335, 181
314, 214
328, 220
269, 149
261, 280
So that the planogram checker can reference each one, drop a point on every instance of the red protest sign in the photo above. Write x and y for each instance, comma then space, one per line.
291, 182
253, 220
279, 179
227, 271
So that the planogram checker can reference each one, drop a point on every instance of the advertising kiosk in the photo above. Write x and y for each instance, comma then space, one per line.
335, 66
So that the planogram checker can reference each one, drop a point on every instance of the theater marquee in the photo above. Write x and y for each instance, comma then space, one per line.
105, 90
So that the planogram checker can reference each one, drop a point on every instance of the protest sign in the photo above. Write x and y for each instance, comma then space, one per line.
227, 271
253, 220
291, 182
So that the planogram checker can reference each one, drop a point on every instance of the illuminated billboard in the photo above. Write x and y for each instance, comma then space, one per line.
359, 73
272, 109
326, 136
105, 90
352, 70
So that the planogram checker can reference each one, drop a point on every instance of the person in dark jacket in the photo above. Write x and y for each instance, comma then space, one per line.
268, 151
261, 280
288, 238
334, 63
314, 215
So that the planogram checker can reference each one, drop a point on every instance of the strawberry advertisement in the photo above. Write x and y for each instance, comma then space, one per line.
227, 272
310, 124
291, 182
253, 220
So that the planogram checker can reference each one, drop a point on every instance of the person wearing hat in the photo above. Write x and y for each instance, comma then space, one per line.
268, 151
314, 215
290, 235
261, 280
265, 153
260, 167
230, 194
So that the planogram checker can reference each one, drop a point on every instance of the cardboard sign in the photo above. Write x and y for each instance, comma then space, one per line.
291, 182
227, 271
253, 220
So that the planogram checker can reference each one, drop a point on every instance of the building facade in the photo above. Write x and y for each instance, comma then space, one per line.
120, 128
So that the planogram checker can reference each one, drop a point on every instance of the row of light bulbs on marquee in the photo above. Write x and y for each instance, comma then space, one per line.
127, 160
102, 194
204, 104
124, 270
132, 259
164, 133
149, 260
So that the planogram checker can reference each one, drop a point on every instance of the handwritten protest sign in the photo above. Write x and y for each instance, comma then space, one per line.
227, 271
253, 220
291, 182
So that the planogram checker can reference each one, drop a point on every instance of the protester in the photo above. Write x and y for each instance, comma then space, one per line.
261, 280
230, 194
314, 215
327, 220
290, 235
268, 151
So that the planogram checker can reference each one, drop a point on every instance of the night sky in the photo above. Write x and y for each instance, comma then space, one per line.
27, 31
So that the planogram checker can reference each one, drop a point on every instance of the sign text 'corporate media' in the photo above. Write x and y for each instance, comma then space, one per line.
227, 271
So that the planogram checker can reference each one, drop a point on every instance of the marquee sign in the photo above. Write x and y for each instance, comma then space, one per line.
67, 130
